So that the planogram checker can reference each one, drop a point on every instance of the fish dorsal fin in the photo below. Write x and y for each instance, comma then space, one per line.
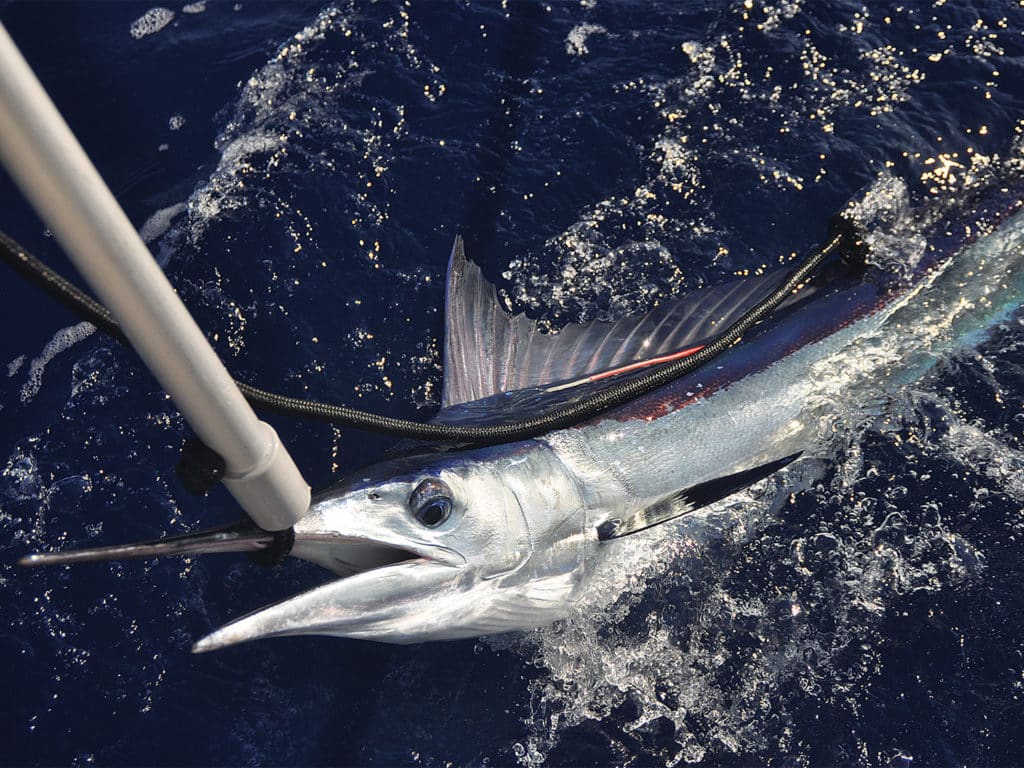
488, 350
481, 336
689, 500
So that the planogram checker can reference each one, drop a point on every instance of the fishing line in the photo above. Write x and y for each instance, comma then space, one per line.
843, 238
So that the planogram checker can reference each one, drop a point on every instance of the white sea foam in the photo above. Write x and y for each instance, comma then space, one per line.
15, 365
62, 340
159, 222
151, 22
576, 40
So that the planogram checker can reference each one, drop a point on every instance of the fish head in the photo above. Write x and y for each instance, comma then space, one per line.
434, 547
454, 511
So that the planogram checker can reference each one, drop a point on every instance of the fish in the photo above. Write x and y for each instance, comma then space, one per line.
438, 542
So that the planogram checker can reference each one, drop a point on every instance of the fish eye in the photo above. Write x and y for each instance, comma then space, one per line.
431, 503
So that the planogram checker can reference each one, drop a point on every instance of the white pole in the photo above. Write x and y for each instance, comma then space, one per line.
54, 173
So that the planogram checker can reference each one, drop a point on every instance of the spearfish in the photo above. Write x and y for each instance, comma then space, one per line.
439, 543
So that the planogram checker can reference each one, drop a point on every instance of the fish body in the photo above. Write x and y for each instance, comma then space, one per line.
447, 544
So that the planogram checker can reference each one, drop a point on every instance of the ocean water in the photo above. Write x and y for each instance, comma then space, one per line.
301, 170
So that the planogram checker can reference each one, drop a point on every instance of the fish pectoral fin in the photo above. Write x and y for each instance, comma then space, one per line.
688, 500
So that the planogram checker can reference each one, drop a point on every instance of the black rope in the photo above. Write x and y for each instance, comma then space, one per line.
71, 296
59, 288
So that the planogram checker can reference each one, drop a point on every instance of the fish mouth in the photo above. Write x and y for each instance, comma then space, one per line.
354, 551
387, 583
386, 579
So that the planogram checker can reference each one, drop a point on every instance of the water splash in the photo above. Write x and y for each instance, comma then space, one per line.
710, 640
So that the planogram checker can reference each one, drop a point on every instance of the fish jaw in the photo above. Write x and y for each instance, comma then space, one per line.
394, 604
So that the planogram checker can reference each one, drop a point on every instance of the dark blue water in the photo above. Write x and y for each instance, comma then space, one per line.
313, 164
